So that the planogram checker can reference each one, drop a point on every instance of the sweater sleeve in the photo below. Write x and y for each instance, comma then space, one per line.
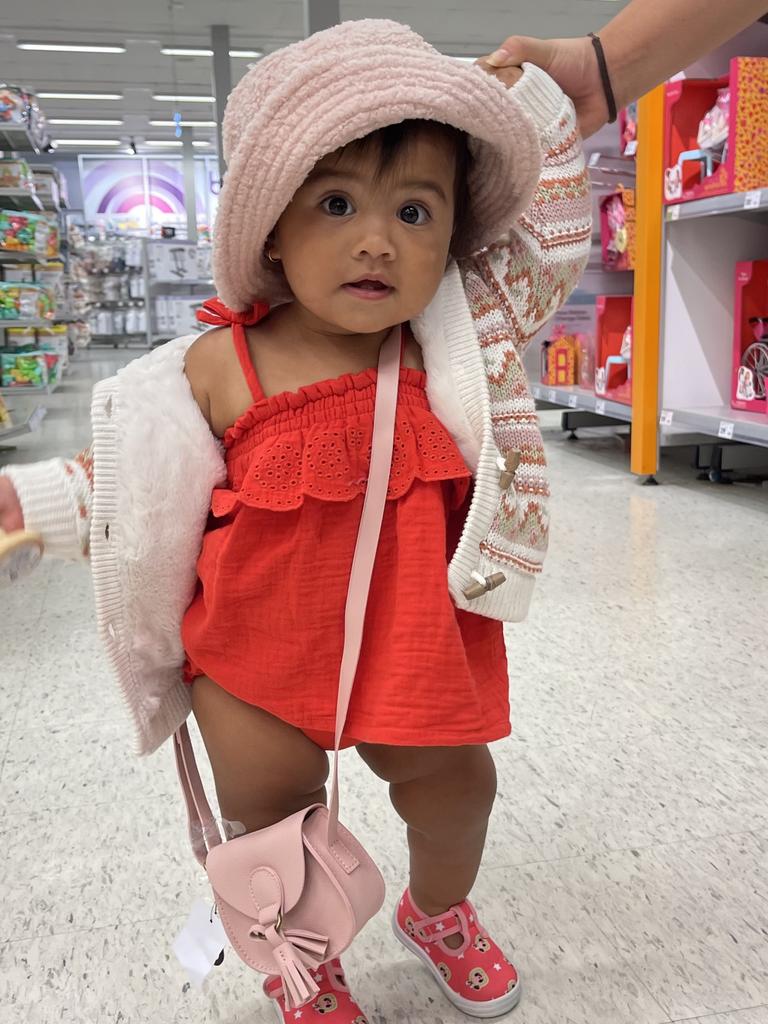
534, 268
56, 499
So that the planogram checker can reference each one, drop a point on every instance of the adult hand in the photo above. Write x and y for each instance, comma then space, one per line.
507, 74
11, 516
573, 65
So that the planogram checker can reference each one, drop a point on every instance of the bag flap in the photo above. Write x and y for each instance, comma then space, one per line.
232, 865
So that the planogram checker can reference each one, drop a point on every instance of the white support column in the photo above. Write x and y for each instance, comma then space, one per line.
190, 193
222, 83
320, 14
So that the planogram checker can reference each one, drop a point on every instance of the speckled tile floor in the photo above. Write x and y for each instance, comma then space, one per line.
627, 857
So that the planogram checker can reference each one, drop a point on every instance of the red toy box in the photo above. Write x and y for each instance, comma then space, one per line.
749, 388
613, 349
716, 133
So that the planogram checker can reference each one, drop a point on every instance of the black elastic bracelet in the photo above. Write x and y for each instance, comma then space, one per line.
610, 99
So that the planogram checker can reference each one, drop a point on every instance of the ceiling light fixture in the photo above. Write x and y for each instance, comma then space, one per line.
162, 144
88, 142
202, 51
72, 47
81, 121
183, 124
164, 98
80, 95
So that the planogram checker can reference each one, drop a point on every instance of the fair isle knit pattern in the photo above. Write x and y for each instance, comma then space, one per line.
513, 287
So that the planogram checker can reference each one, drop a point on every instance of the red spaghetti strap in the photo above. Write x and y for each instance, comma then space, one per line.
244, 355
215, 314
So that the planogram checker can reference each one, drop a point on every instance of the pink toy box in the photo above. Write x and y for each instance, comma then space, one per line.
613, 348
716, 133
749, 386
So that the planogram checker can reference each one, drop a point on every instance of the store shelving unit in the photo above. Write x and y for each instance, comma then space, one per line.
21, 199
702, 242
31, 424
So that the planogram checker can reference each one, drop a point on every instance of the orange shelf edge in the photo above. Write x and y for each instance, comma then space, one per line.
648, 269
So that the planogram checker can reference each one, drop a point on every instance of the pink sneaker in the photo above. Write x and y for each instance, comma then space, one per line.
476, 977
333, 1002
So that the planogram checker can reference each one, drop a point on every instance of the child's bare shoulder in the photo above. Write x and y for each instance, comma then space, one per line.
216, 379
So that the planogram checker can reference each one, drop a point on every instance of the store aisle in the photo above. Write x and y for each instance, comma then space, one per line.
628, 850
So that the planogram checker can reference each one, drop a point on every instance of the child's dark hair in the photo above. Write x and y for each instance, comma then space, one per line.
392, 142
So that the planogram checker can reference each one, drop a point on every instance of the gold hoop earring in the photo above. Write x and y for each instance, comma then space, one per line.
272, 259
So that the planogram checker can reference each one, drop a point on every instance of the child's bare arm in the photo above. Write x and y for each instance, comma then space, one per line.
533, 269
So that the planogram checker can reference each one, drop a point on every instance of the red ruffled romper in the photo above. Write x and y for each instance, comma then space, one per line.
267, 619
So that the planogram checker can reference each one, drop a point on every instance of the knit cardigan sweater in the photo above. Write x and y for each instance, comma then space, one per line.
137, 501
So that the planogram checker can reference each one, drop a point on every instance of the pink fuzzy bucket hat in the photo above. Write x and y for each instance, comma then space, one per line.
302, 102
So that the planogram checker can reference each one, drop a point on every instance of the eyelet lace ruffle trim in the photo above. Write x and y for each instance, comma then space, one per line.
330, 462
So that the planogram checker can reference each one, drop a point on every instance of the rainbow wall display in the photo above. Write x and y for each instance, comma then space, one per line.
142, 193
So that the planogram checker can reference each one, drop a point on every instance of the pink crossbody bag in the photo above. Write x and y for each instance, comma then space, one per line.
294, 895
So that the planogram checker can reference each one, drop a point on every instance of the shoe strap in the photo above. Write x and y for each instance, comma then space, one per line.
442, 926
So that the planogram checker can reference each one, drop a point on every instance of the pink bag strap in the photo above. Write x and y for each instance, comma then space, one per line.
204, 833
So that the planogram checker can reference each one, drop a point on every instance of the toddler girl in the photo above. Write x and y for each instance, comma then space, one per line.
373, 184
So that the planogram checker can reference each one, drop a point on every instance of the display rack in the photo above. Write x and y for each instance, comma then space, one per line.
683, 311
703, 239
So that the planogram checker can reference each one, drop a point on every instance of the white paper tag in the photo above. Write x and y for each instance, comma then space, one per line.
631, 148
553, 396
666, 418
674, 213
726, 430
600, 407
573, 401
200, 942
752, 199
594, 160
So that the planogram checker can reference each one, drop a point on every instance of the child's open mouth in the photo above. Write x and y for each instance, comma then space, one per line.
368, 289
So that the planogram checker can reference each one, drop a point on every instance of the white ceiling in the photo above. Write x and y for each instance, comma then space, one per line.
471, 27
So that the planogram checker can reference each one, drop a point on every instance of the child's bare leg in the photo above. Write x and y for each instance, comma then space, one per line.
264, 768
444, 795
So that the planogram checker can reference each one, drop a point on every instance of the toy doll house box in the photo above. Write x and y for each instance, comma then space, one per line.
749, 381
614, 316
746, 162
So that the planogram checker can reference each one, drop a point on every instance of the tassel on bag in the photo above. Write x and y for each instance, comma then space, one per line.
295, 952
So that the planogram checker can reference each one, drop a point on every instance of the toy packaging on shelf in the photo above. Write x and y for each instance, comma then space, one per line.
6, 420
179, 261
55, 339
628, 129
750, 337
24, 233
51, 185
26, 370
618, 229
716, 133
19, 109
613, 348
16, 174
19, 301
568, 353
174, 315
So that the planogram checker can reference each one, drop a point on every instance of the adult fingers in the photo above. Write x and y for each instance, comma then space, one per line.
517, 49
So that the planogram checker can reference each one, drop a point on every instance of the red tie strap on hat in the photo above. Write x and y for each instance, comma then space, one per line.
214, 313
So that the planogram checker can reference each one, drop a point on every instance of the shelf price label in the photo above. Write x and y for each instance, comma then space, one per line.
552, 396
726, 430
666, 418
631, 148
674, 212
752, 199
600, 407
37, 417
536, 392
573, 401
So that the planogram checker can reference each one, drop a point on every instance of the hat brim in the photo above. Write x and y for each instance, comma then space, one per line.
326, 107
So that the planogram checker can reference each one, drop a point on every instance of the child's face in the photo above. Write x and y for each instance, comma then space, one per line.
340, 226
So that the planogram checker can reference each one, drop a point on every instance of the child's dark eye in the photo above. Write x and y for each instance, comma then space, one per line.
411, 211
336, 205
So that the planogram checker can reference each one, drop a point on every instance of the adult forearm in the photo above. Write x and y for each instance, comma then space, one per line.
650, 40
